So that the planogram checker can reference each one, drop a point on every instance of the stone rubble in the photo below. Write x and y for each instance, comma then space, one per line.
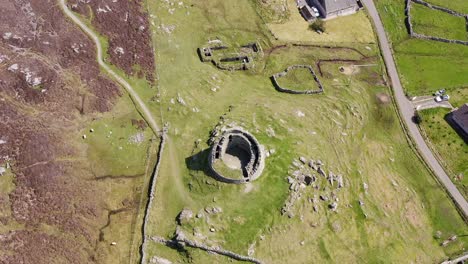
300, 177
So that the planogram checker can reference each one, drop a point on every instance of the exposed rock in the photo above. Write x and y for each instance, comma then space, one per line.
158, 260
333, 206
2, 170
270, 131
303, 160
213, 210
184, 216
340, 181
315, 207
180, 100
300, 113
321, 171
13, 67
138, 138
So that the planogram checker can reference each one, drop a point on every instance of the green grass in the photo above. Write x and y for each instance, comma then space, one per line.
224, 170
456, 5
437, 23
448, 144
299, 79
111, 145
345, 127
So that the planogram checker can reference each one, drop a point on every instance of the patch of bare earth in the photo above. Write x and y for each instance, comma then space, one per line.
50, 86
127, 28
383, 98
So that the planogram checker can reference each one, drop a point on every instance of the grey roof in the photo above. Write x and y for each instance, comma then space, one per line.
460, 116
336, 5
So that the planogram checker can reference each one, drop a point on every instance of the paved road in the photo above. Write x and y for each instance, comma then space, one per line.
407, 111
135, 97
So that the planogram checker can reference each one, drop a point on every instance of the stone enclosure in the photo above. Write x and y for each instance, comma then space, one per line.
278, 87
226, 58
238, 150
417, 35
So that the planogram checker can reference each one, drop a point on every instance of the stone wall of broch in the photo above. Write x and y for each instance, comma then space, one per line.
257, 156
439, 8
278, 87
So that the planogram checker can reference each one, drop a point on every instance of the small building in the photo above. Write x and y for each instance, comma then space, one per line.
328, 8
459, 120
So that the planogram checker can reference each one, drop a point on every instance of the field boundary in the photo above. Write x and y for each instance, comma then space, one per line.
151, 192
284, 73
414, 34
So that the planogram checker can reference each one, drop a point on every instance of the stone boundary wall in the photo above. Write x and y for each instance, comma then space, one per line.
440, 8
434, 7
254, 168
181, 241
286, 90
152, 188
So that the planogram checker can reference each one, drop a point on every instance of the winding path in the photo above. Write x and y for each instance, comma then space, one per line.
135, 97
407, 111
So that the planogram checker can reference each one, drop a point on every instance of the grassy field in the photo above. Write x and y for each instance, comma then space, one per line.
347, 127
449, 145
298, 79
120, 156
437, 23
426, 66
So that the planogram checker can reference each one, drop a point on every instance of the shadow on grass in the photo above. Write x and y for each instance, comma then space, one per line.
199, 162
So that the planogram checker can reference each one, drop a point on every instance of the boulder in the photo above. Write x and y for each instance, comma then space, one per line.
184, 216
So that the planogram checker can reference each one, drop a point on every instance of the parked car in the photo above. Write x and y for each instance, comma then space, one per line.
441, 98
316, 12
440, 92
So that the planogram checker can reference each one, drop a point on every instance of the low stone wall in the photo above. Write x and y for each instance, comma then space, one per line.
414, 34
246, 58
152, 188
286, 90
182, 241
435, 7
257, 159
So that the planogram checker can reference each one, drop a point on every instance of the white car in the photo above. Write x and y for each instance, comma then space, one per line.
441, 98
316, 12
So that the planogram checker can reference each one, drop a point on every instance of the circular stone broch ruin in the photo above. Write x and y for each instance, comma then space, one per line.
236, 157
